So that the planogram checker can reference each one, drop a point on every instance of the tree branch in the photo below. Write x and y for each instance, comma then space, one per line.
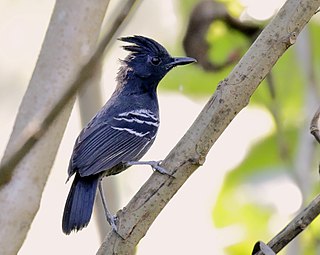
314, 126
231, 96
295, 227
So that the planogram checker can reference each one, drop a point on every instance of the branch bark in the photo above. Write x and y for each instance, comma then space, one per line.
231, 96
314, 126
69, 43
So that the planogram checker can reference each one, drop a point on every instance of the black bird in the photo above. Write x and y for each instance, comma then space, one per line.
121, 132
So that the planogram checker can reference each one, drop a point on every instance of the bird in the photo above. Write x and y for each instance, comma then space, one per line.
121, 132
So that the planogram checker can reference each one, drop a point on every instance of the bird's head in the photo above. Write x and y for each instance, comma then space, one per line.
148, 60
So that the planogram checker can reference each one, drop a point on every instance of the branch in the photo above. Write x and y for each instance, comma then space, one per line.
231, 96
303, 157
314, 127
295, 227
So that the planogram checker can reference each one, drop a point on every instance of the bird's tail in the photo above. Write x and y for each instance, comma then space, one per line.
79, 204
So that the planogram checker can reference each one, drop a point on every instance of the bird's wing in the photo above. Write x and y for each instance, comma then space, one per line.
103, 146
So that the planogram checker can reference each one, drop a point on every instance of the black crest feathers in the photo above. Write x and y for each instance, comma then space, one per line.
143, 45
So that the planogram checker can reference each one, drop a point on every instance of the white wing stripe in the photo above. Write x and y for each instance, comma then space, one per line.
131, 131
141, 112
156, 124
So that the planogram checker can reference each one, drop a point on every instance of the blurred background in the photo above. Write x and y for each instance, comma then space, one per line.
260, 172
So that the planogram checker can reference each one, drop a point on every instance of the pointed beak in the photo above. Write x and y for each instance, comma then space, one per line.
180, 61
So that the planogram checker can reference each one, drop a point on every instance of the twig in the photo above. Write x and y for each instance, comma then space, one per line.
35, 131
314, 127
295, 227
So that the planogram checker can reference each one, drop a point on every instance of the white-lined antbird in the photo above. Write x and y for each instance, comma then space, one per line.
121, 132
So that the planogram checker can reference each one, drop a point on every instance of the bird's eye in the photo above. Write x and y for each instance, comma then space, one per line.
155, 61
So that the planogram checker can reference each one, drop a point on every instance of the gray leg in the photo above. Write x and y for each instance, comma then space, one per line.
112, 220
154, 164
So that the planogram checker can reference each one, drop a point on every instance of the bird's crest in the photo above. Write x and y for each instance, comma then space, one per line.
143, 45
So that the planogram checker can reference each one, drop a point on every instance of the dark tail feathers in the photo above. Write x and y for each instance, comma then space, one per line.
79, 204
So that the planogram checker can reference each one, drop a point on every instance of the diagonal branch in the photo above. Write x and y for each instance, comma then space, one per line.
231, 96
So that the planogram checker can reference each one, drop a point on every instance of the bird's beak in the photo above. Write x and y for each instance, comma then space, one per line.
180, 61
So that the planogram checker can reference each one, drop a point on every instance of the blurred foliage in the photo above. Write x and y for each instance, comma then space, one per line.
236, 203
223, 39
235, 7
193, 80
269, 158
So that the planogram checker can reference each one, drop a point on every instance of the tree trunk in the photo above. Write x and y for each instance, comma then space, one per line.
69, 43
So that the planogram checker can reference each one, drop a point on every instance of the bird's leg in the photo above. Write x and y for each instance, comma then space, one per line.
112, 220
154, 164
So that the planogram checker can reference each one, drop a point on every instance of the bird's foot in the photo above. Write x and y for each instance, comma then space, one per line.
156, 167
113, 221
154, 164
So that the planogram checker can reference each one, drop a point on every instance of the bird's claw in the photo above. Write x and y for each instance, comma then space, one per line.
113, 221
156, 167
154, 164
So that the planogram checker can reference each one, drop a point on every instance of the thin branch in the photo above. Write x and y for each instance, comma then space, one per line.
295, 227
231, 96
314, 126
32, 133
